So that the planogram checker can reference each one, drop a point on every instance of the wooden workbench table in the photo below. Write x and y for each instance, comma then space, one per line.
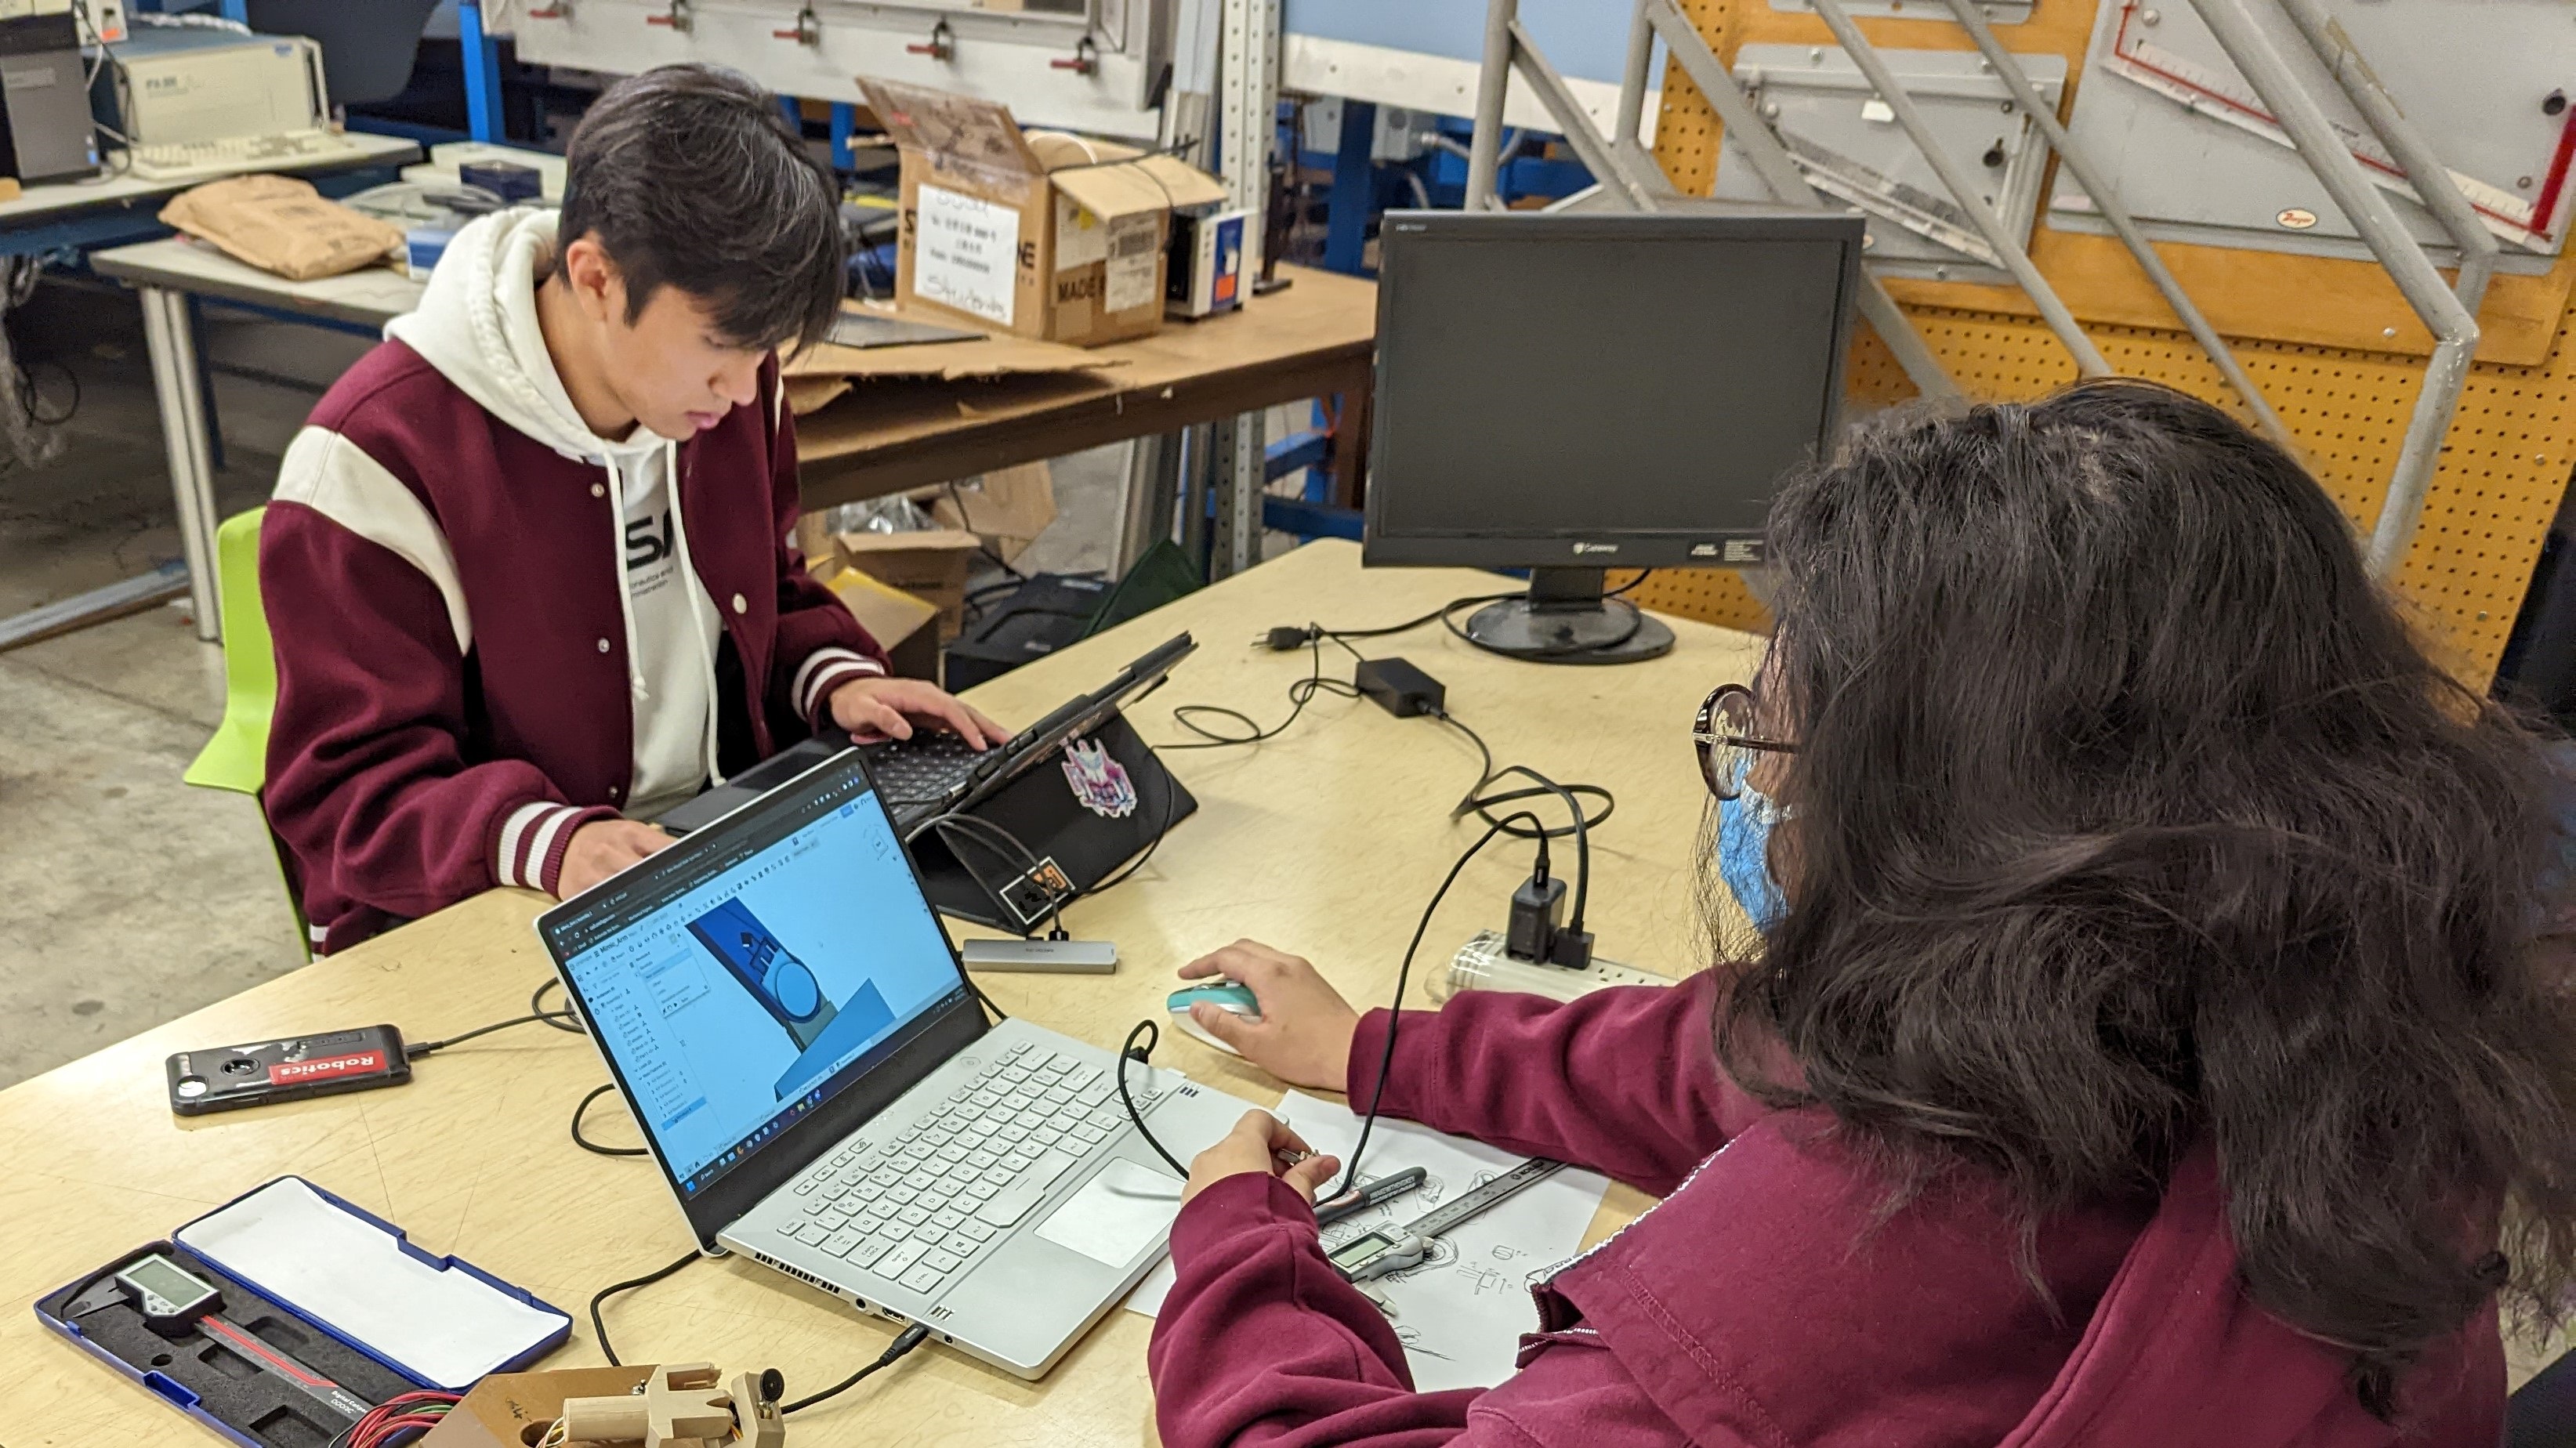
1315, 338
1326, 840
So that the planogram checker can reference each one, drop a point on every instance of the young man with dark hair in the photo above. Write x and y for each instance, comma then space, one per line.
529, 566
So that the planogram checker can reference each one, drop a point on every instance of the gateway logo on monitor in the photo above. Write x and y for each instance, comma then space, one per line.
1582, 549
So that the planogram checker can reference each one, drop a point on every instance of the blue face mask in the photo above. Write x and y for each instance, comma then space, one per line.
1744, 852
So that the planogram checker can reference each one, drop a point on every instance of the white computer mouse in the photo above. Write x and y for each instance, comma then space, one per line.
1220, 992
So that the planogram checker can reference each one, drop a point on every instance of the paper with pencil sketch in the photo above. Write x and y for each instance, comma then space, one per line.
1460, 1315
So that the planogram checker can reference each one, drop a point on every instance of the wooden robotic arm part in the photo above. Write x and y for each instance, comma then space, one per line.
683, 1405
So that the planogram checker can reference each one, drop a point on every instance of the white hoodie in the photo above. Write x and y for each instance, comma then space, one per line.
477, 324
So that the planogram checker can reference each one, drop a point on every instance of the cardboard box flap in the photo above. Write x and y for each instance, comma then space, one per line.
1057, 149
950, 126
1111, 192
990, 357
889, 614
1186, 184
926, 540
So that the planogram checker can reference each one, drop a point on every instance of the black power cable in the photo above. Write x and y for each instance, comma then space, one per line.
1581, 829
1300, 694
987, 832
566, 1020
1481, 805
1128, 1051
593, 1147
1395, 1008
417, 1049
599, 1329
904, 1342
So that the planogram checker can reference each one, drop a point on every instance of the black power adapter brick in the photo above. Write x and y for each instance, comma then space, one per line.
1399, 688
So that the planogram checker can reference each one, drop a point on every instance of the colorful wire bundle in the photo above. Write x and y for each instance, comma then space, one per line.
397, 1420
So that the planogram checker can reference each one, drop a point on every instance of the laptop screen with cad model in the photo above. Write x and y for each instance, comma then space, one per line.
742, 982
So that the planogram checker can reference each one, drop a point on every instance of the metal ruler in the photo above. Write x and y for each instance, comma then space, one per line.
1389, 1250
1450, 1213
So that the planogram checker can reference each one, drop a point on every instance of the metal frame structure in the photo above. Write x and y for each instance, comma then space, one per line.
1248, 124
1771, 162
1963, 190
173, 345
2450, 312
2106, 200
2454, 326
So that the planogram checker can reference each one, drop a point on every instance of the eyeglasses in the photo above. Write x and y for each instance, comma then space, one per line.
1724, 734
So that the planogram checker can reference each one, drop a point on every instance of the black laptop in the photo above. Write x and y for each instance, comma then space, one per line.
935, 772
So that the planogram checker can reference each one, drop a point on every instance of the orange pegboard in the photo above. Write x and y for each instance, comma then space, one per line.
1711, 595
2505, 466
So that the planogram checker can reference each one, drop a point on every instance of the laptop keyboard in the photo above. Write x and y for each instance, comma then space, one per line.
921, 1207
923, 768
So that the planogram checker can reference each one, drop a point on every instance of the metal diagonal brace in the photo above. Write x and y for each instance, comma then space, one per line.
1787, 184
2106, 199
2425, 172
1598, 155
1963, 189
1508, 48
2370, 214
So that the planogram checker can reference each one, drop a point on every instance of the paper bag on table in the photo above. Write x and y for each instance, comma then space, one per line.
282, 225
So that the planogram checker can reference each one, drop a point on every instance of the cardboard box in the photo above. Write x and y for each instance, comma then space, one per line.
1044, 235
1007, 508
930, 565
905, 625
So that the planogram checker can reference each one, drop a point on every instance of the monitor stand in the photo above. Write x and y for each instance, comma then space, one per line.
1565, 619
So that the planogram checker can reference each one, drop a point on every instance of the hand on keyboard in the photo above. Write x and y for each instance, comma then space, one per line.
882, 708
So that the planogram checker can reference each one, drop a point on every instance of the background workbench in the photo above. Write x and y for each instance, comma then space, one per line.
1312, 339
59, 215
1327, 840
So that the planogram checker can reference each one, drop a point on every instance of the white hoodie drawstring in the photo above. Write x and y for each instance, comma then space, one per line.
696, 590
635, 685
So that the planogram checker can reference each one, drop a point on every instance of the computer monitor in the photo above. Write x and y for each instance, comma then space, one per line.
1568, 393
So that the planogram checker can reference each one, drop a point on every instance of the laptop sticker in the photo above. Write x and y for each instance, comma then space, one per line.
1100, 783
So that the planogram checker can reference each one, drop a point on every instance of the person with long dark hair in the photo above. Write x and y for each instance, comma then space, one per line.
2137, 1017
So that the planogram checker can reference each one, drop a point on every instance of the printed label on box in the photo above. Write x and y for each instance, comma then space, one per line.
965, 253
1132, 255
1081, 237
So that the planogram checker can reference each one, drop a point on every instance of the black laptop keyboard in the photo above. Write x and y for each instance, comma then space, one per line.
923, 768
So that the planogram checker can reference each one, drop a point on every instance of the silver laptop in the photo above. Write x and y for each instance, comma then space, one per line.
791, 1027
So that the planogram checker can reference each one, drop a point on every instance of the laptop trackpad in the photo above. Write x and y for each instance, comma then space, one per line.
1124, 1209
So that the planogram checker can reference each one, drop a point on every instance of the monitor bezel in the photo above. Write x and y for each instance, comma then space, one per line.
1402, 234
950, 1025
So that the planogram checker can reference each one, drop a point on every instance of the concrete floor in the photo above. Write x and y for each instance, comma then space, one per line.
126, 897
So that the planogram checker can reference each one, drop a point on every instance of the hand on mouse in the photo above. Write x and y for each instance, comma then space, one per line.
1303, 1036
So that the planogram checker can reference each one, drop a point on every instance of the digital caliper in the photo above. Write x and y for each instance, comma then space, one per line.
1372, 1255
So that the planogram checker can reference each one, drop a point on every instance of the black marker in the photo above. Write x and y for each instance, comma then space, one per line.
1374, 1192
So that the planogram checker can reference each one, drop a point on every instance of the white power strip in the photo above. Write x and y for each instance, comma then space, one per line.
1480, 964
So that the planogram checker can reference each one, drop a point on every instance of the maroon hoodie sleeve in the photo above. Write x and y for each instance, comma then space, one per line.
367, 781
1260, 1341
820, 646
1624, 1080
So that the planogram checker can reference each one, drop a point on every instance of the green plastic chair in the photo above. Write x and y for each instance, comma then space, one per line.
237, 757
